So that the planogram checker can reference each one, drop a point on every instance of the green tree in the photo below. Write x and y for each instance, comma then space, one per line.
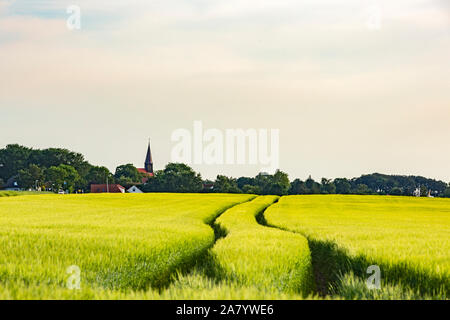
396, 191
298, 187
176, 177
280, 184
12, 159
126, 181
56, 156
447, 191
225, 184
155, 184
31, 177
277, 184
362, 189
343, 186
251, 189
423, 191
127, 174
262, 180
327, 186
62, 177
313, 186
99, 175
242, 181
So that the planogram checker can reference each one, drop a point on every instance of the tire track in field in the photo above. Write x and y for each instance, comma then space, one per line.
338, 274
207, 264
280, 261
329, 262
321, 283
219, 231
202, 258
322, 256
276, 257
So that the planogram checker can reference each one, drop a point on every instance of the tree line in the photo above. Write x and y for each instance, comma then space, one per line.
57, 169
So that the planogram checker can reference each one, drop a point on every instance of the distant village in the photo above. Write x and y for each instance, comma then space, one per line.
146, 171
63, 171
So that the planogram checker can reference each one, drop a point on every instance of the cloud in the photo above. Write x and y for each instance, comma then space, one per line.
311, 68
152, 47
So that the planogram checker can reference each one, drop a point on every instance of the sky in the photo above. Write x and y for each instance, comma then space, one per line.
354, 87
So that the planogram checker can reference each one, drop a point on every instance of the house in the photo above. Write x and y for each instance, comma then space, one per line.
147, 171
12, 184
111, 188
208, 186
134, 189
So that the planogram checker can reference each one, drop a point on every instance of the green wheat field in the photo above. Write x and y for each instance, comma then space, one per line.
222, 246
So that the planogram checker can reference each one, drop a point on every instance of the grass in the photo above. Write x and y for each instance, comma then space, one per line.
135, 247
249, 261
252, 254
407, 237
223, 246
21, 193
121, 243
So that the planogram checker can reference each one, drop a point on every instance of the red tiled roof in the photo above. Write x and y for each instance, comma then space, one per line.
112, 188
148, 174
142, 170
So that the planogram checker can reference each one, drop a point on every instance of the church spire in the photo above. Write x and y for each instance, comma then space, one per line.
148, 160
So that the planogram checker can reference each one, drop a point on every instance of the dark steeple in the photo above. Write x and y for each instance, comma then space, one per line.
148, 160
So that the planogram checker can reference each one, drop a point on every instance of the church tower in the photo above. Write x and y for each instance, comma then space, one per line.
148, 165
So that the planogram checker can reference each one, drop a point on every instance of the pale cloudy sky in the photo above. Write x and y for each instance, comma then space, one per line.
348, 99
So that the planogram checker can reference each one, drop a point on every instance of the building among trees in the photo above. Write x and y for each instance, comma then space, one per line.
127, 175
109, 188
62, 170
134, 189
12, 184
147, 171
